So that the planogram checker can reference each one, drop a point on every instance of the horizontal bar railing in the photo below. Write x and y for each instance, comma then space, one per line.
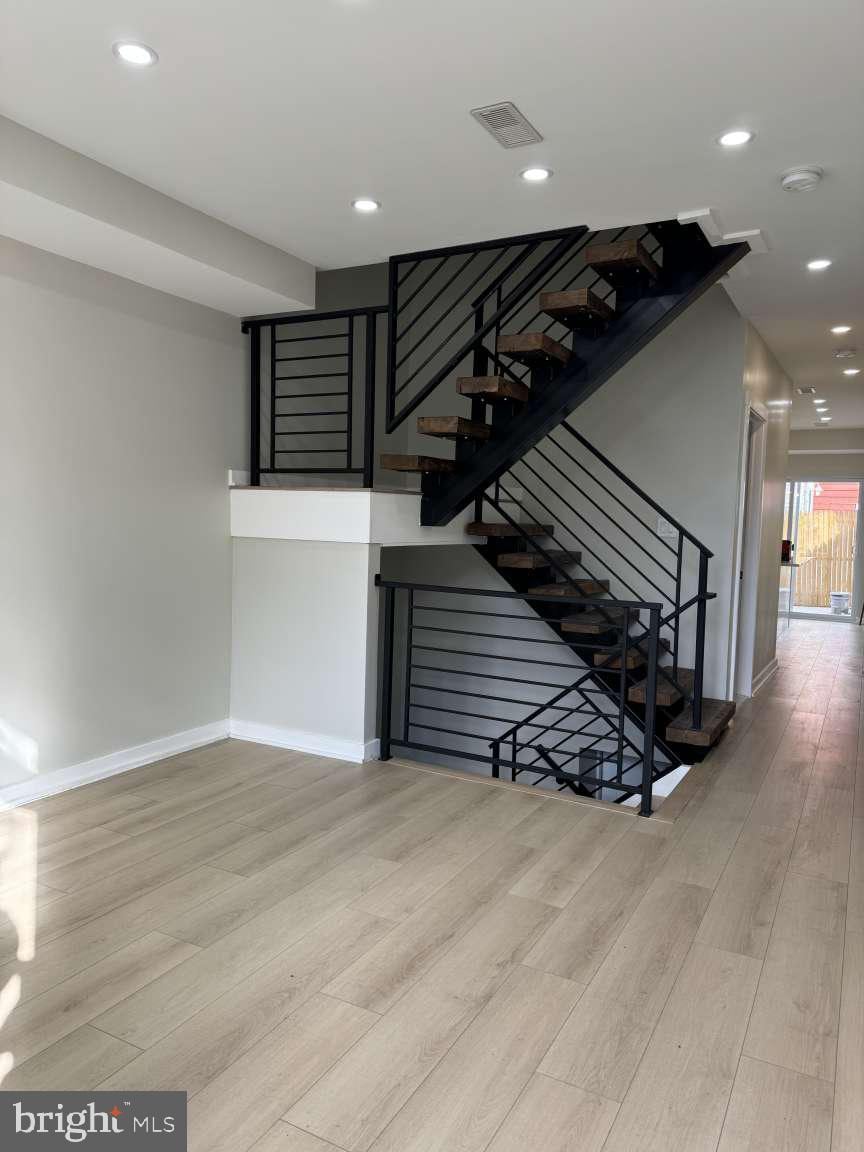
312, 392
460, 678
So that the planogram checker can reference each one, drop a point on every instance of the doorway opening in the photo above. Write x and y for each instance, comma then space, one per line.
822, 520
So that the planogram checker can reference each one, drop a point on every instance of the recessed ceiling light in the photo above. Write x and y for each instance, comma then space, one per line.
822, 408
735, 137
535, 175
815, 401
139, 55
841, 329
818, 265
845, 353
851, 371
365, 204
779, 403
824, 419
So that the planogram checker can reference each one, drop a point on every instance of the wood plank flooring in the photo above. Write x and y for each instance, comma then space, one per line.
381, 958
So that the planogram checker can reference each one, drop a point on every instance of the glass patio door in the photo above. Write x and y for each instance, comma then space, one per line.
821, 521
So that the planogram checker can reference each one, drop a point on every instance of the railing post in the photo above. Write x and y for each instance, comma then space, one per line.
392, 315
479, 367
272, 397
699, 662
349, 399
255, 405
496, 759
650, 712
623, 688
409, 655
387, 674
679, 565
369, 402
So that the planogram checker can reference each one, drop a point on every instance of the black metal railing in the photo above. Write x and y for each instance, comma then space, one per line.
312, 392
477, 674
603, 530
448, 306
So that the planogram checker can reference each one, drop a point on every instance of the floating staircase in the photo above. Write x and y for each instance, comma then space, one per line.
593, 628
574, 340
519, 333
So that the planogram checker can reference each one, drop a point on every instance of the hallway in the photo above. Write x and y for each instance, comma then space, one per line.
406, 961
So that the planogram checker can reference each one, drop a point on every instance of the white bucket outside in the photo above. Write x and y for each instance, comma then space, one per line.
839, 603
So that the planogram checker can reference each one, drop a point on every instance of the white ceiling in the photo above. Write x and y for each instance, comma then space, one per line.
272, 115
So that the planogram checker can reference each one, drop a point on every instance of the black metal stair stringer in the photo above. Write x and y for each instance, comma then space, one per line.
643, 321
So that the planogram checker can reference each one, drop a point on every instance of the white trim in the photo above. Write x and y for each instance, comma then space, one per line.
825, 452
762, 678
52, 783
745, 592
299, 741
827, 617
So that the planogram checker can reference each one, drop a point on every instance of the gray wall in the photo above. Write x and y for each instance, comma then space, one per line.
819, 454
122, 409
825, 466
671, 420
766, 382
304, 640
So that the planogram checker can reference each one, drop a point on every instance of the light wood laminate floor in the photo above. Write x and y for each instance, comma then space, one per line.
339, 958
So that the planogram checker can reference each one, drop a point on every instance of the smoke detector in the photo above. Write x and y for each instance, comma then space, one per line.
801, 179
507, 124
845, 353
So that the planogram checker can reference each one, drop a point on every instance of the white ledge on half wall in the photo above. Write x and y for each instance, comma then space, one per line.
356, 516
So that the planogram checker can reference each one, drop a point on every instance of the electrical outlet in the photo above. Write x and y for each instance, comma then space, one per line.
666, 530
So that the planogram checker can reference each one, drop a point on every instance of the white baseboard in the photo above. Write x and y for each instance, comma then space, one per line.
299, 741
37, 787
762, 678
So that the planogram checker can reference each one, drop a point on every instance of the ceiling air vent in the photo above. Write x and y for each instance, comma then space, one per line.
507, 124
806, 391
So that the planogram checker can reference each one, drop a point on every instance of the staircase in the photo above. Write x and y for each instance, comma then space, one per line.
535, 362
519, 333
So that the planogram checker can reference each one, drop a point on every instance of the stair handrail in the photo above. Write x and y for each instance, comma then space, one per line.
634, 487
567, 239
694, 693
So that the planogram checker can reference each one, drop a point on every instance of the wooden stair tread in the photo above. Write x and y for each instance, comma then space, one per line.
578, 309
716, 715
493, 388
621, 256
453, 428
572, 588
535, 559
494, 528
592, 623
667, 694
532, 347
612, 660
396, 462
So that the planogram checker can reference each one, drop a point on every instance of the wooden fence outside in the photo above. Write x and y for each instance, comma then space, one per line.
825, 547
